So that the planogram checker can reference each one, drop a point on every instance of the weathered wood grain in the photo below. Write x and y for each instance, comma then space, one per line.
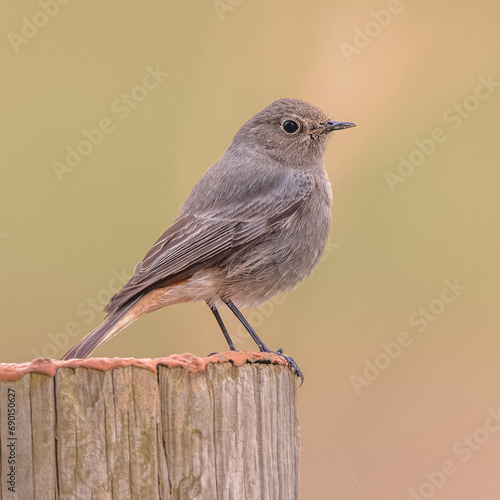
210, 431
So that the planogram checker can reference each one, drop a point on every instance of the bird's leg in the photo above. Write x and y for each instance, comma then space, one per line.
262, 347
222, 326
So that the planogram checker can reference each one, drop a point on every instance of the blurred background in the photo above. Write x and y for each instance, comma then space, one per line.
110, 112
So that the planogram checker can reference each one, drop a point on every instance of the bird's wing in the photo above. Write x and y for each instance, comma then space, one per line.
201, 237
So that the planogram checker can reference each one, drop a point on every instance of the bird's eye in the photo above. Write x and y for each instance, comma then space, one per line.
290, 127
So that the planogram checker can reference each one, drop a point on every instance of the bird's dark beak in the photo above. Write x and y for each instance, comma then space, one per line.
331, 125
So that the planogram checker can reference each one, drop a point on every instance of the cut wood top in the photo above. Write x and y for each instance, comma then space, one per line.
192, 363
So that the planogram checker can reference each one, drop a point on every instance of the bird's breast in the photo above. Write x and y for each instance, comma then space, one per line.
286, 256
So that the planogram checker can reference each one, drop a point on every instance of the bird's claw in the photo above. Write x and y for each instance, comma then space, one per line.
292, 364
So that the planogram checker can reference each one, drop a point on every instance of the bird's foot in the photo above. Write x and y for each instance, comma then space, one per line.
291, 363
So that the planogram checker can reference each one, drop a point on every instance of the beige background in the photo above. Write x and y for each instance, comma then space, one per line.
64, 239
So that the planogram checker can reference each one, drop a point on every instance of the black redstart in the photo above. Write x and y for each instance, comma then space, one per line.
254, 225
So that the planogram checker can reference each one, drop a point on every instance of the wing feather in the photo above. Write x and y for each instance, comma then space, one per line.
201, 238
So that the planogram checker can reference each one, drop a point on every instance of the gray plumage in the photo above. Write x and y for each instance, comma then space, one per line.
254, 225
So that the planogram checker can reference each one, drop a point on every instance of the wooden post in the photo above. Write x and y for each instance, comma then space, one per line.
182, 427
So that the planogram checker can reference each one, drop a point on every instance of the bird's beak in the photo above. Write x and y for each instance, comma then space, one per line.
331, 125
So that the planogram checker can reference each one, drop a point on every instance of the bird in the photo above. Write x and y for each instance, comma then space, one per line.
253, 226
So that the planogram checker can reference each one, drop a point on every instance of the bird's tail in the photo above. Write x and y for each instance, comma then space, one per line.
114, 323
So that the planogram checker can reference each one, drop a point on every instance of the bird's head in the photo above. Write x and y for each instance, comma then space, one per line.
289, 131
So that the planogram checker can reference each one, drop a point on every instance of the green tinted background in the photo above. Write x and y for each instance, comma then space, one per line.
398, 76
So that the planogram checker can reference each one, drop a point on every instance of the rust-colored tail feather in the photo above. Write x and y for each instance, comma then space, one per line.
114, 323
